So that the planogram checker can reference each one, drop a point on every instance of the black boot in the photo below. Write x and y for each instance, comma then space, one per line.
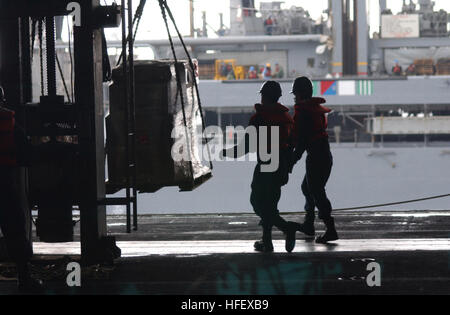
307, 227
291, 228
265, 245
330, 233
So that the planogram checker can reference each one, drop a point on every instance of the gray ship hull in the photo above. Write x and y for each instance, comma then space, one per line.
361, 176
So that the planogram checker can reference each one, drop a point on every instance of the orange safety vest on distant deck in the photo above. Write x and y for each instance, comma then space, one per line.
7, 143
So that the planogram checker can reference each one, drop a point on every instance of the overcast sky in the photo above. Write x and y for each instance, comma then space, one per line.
152, 26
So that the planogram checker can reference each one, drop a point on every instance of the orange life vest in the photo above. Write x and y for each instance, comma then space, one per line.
7, 143
274, 116
317, 119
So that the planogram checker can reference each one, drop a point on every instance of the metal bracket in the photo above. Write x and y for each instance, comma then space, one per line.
107, 16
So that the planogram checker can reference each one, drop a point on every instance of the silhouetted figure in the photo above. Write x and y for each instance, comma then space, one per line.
310, 135
266, 186
14, 155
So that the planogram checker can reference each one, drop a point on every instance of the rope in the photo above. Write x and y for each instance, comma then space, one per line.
191, 64
341, 209
138, 16
71, 59
41, 56
63, 79
136, 20
33, 37
180, 91
394, 203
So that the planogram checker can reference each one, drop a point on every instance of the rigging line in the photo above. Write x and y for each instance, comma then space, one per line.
139, 12
180, 90
127, 107
41, 57
71, 60
136, 20
191, 64
132, 112
33, 37
394, 203
62, 77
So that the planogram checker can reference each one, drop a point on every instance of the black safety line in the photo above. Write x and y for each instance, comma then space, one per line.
394, 203
71, 60
191, 64
180, 90
41, 56
138, 16
136, 20
62, 77
33, 38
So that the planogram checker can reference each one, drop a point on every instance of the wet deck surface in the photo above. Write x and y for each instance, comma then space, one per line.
194, 248
351, 225
211, 254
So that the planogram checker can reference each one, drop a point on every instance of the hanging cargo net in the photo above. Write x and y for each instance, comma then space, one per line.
169, 121
166, 128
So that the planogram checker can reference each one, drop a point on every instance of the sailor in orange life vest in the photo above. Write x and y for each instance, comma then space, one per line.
266, 186
14, 153
310, 135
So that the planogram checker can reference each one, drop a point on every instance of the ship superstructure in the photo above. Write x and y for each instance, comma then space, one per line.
400, 71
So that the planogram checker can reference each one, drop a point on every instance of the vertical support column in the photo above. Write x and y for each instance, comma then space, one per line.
132, 113
191, 18
25, 60
13, 82
9, 60
219, 117
127, 108
89, 106
373, 116
426, 137
204, 28
362, 38
383, 6
337, 60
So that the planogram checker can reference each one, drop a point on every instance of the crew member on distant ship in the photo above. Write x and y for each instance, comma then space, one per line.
252, 74
268, 25
397, 69
411, 70
278, 72
267, 72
